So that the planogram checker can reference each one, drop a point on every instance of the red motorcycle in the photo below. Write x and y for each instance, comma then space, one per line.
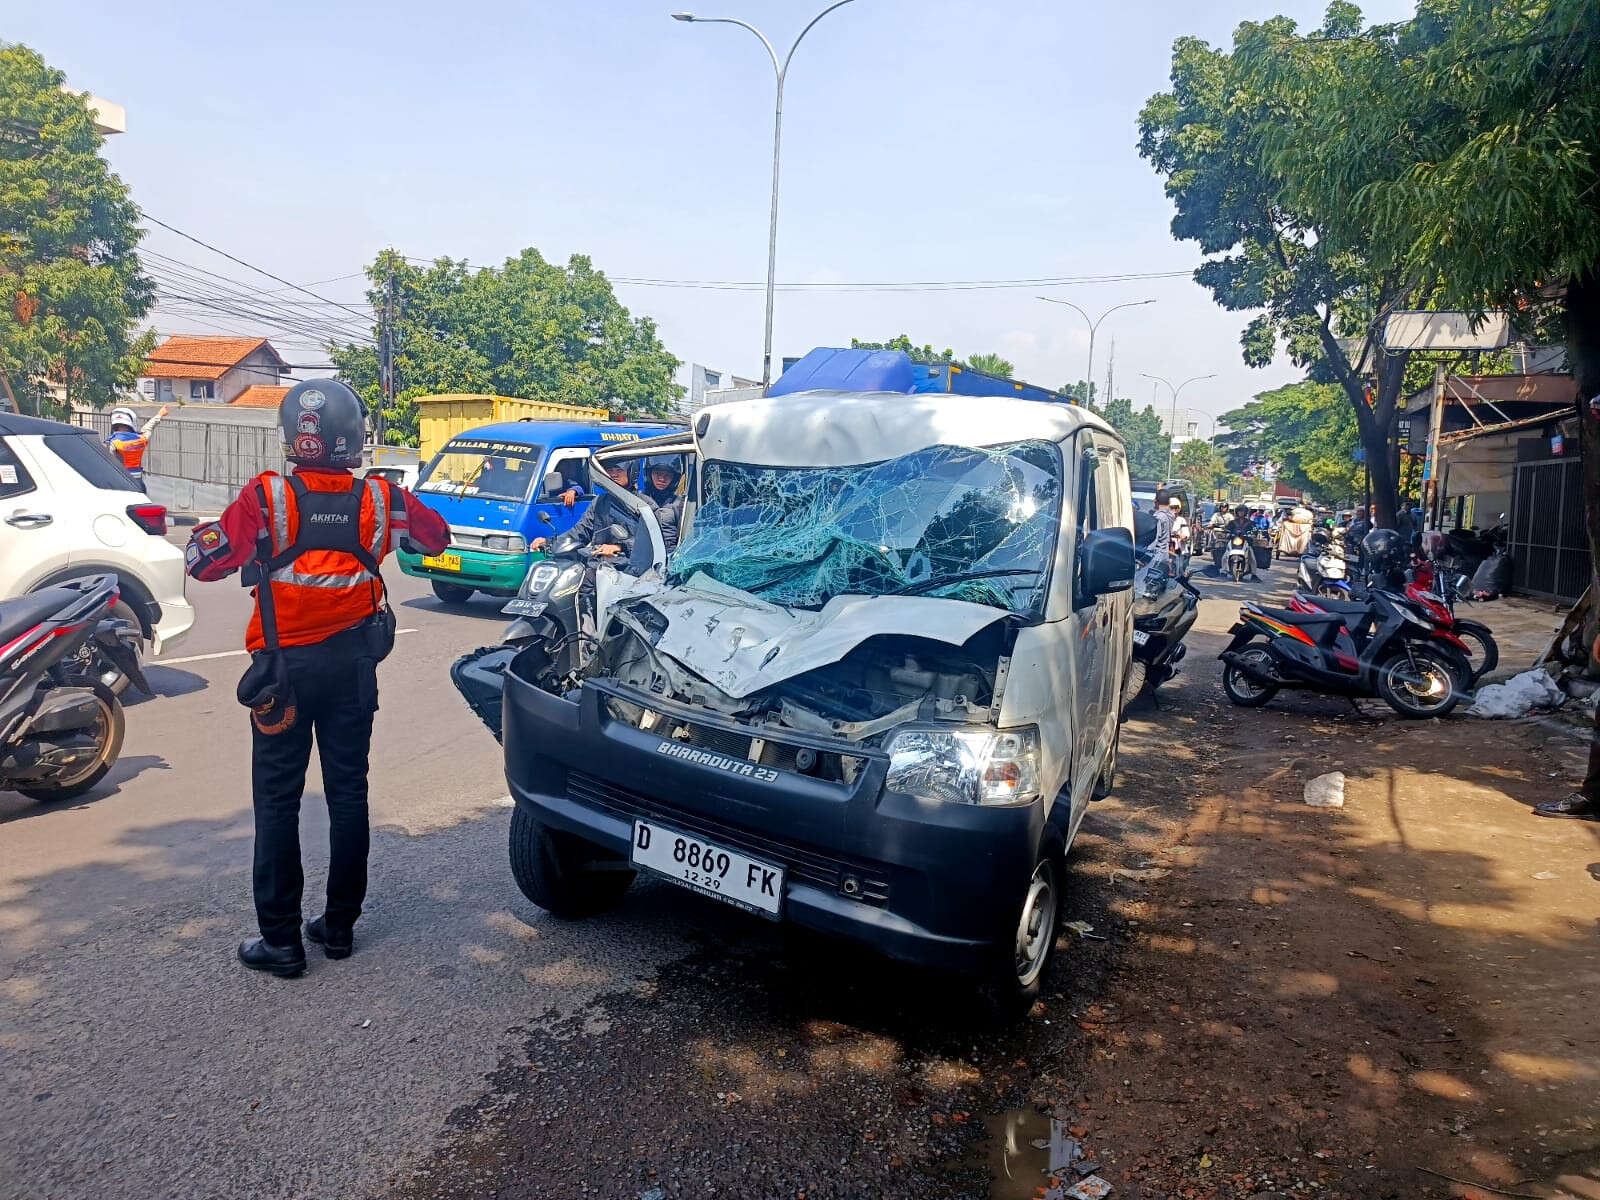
1437, 591
1358, 615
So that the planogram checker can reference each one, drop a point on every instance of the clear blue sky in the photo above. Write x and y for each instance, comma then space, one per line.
923, 139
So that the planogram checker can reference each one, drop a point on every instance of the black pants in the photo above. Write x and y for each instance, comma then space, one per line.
336, 690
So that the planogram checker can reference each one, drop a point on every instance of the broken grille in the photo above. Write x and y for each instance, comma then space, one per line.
827, 765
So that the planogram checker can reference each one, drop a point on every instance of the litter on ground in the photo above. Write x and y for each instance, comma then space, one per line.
1326, 791
1518, 696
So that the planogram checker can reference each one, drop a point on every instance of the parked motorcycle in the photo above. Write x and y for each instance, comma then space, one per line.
61, 728
1322, 570
1160, 623
1391, 654
1439, 602
1359, 614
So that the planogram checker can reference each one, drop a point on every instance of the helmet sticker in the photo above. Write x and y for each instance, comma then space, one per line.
308, 445
341, 445
309, 422
311, 398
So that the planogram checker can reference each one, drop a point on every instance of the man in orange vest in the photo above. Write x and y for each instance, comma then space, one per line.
129, 443
311, 544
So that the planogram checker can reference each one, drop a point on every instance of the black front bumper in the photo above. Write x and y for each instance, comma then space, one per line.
922, 881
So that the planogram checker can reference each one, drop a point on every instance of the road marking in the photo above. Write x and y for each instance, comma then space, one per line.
194, 658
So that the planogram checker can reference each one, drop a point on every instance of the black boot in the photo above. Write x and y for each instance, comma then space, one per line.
283, 961
1576, 807
335, 943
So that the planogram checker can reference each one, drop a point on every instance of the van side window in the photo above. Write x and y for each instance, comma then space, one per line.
14, 477
1110, 489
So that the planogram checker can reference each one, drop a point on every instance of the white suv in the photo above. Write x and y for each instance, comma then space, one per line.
67, 509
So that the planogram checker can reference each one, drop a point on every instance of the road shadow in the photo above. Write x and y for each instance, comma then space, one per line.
165, 682
480, 607
16, 807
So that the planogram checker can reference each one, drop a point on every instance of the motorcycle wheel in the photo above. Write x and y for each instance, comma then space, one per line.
109, 728
1236, 569
1430, 689
1133, 683
1243, 690
1485, 653
1328, 592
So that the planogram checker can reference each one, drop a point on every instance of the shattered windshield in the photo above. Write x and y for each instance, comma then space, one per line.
958, 522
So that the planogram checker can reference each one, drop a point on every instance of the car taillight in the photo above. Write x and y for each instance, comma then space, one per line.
152, 518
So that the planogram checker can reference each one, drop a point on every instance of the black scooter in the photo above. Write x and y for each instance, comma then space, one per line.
60, 727
1391, 653
1160, 623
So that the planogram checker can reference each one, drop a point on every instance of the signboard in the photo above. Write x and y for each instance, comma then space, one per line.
1446, 331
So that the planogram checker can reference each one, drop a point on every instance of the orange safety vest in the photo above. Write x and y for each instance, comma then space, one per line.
130, 452
322, 541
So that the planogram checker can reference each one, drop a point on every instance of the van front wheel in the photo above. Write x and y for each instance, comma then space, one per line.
561, 873
1018, 975
452, 593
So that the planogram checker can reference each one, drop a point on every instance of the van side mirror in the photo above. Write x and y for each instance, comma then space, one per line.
554, 485
1105, 563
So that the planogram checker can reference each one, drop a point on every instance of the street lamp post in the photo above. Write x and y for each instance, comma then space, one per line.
781, 69
1094, 324
1172, 429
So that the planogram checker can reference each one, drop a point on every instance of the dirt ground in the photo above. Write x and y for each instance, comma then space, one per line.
1362, 1002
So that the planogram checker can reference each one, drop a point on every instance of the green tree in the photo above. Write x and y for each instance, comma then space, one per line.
530, 328
1463, 147
1147, 442
992, 364
1275, 252
69, 269
1307, 429
918, 354
1082, 392
1201, 464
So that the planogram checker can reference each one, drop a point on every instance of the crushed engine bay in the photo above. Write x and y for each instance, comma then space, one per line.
883, 681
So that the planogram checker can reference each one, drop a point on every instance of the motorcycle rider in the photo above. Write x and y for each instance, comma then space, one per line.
1243, 525
312, 544
128, 443
594, 527
661, 476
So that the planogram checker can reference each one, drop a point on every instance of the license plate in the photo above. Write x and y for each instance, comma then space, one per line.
1140, 637
703, 866
524, 608
442, 562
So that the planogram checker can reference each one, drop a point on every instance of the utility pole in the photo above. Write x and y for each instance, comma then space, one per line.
386, 354
1430, 471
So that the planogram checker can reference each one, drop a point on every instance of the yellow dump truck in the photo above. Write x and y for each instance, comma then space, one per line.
440, 418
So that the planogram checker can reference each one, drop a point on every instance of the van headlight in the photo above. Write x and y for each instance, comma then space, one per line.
512, 543
972, 765
538, 579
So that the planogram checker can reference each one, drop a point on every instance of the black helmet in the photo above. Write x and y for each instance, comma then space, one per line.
1383, 545
664, 462
323, 424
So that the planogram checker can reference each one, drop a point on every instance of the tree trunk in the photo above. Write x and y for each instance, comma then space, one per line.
1583, 350
1385, 484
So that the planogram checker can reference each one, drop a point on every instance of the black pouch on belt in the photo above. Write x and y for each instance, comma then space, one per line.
266, 691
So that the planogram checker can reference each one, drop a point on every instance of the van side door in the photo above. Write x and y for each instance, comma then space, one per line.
1087, 629
572, 463
1114, 508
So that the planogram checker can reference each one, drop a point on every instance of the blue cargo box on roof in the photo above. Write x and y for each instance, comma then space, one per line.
833, 369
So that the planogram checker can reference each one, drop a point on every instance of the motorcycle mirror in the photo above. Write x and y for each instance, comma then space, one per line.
545, 517
617, 533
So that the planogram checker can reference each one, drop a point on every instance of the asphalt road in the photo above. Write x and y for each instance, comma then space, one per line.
138, 1059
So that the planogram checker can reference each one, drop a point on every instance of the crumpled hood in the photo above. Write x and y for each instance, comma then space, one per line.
741, 644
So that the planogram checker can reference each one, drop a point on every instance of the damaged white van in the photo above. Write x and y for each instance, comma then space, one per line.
873, 691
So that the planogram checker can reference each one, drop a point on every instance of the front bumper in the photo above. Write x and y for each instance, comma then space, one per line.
487, 570
925, 882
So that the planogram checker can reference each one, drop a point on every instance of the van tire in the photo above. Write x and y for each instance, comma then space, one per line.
1012, 989
561, 873
451, 593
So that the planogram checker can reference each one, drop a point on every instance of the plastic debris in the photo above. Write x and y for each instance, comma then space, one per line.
1545, 875
1517, 696
1084, 930
1326, 791
1090, 1188
656, 1193
1064, 1149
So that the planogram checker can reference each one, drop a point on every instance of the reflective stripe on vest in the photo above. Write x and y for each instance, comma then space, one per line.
324, 588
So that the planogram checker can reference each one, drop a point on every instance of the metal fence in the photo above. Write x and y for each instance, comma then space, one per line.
205, 451
1549, 544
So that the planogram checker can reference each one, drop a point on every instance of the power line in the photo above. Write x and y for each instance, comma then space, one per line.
928, 285
249, 266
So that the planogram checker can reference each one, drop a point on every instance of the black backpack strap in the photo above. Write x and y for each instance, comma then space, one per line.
264, 564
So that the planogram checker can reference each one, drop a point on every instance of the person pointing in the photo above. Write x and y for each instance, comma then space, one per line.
311, 544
